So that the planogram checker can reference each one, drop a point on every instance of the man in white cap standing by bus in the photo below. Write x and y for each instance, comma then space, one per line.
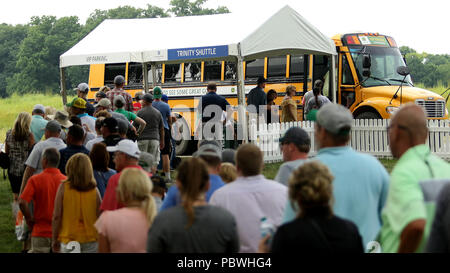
119, 82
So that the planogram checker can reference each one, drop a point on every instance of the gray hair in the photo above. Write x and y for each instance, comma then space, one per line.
52, 156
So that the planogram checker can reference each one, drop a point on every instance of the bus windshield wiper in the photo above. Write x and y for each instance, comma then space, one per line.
397, 80
378, 79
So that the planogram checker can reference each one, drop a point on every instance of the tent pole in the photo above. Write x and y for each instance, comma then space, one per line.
241, 95
145, 71
333, 77
154, 74
62, 75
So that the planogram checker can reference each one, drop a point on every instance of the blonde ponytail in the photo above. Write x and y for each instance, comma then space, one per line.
136, 186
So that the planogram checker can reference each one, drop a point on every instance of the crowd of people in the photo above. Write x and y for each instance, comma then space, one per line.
94, 179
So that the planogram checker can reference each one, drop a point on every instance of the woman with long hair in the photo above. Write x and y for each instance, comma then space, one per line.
316, 229
100, 159
289, 106
125, 230
272, 108
77, 207
18, 144
194, 226
314, 103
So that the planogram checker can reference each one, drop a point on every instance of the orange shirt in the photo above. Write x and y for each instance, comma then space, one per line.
42, 188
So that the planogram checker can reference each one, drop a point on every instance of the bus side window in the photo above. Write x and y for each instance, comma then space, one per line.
276, 67
230, 71
254, 69
213, 70
158, 74
112, 70
172, 73
297, 68
192, 72
135, 75
347, 78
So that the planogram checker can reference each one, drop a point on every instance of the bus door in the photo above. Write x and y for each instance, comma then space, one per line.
347, 83
320, 71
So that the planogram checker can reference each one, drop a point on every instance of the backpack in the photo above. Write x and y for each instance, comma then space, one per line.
4, 161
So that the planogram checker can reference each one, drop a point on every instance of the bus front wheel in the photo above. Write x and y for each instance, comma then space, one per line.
182, 135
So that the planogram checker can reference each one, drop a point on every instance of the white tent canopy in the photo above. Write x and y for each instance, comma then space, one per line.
155, 40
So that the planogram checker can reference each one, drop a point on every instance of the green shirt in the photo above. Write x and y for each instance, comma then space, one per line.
405, 201
129, 115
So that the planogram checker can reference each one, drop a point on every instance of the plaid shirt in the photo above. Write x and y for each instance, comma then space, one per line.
18, 153
128, 99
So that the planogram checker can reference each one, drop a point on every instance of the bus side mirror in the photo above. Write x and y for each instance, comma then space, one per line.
403, 70
366, 62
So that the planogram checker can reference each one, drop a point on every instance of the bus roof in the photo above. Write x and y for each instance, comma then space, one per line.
198, 37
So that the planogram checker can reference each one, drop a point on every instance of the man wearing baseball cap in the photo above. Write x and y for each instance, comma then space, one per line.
211, 152
78, 108
38, 122
126, 155
295, 146
82, 92
360, 183
164, 109
257, 97
119, 82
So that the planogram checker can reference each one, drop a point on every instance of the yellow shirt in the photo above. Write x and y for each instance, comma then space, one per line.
79, 215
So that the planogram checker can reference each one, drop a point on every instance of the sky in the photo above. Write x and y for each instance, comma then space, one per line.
421, 25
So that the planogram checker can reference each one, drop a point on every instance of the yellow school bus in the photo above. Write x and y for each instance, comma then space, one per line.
184, 83
382, 90
368, 82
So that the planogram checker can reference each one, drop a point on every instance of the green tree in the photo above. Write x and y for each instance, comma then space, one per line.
406, 50
188, 8
38, 56
10, 40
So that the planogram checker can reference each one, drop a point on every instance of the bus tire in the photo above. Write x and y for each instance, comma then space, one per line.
182, 135
367, 115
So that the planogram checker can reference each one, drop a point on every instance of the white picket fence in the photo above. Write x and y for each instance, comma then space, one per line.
367, 136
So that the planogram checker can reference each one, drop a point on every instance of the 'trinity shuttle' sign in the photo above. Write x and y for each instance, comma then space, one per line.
198, 52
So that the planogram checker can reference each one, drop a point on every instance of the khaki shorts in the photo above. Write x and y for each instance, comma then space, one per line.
40, 245
150, 146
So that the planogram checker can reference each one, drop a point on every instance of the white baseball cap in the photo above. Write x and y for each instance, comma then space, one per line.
126, 146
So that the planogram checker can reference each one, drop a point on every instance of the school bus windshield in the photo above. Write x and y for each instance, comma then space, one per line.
384, 63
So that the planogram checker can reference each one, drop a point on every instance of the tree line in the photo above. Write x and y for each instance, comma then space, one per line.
29, 54
429, 69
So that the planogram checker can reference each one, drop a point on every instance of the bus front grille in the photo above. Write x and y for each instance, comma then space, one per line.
433, 109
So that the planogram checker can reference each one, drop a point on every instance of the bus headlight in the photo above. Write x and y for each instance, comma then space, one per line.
391, 109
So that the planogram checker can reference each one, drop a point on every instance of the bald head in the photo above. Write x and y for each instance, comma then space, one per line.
408, 128
413, 117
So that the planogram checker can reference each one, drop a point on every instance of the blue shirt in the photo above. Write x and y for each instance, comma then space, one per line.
102, 179
360, 188
37, 127
173, 197
164, 108
67, 153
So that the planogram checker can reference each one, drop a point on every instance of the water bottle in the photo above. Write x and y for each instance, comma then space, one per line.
267, 228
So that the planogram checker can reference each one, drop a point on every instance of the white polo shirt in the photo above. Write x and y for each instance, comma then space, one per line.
34, 160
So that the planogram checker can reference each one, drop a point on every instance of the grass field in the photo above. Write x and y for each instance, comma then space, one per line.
15, 104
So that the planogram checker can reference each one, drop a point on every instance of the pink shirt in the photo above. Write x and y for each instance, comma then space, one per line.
125, 228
